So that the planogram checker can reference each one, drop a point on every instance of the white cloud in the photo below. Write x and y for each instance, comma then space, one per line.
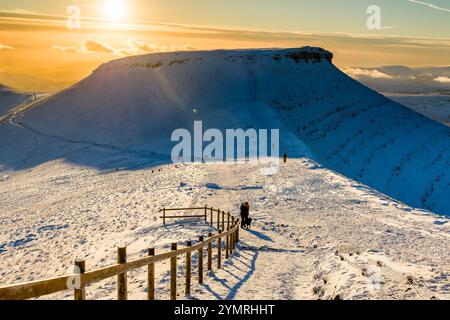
388, 27
130, 47
442, 80
87, 45
5, 47
133, 46
66, 49
371, 73
430, 5
96, 46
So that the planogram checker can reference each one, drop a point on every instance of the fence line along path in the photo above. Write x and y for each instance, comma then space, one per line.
227, 237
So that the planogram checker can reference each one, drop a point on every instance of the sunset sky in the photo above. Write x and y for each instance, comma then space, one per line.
38, 52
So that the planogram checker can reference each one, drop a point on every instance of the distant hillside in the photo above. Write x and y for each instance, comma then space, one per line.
10, 98
404, 80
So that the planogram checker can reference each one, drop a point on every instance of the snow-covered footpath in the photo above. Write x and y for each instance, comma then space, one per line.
316, 234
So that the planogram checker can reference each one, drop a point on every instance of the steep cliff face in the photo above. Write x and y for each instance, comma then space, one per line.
132, 105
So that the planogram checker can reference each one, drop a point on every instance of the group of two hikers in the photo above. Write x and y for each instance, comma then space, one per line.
246, 221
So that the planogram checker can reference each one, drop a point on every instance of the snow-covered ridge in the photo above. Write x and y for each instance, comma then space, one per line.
153, 61
131, 106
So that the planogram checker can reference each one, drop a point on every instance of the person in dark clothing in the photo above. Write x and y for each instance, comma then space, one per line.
245, 215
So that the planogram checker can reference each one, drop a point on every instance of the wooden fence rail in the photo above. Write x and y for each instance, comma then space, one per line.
206, 210
82, 278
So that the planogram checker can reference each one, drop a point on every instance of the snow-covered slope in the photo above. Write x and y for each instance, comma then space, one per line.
131, 106
315, 234
9, 99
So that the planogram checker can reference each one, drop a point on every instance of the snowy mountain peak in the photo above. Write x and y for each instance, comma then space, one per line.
128, 108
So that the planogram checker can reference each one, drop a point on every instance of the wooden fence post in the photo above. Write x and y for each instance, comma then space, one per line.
209, 252
231, 239
164, 216
236, 234
122, 292
218, 219
227, 244
206, 217
211, 216
200, 261
173, 274
151, 276
80, 268
223, 220
233, 224
228, 220
188, 270
219, 251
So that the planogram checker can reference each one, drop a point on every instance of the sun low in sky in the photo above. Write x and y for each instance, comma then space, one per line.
38, 52
114, 9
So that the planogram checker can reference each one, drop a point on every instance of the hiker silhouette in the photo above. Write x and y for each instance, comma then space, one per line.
245, 215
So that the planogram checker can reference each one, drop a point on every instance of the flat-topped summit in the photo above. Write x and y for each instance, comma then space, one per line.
132, 105
304, 54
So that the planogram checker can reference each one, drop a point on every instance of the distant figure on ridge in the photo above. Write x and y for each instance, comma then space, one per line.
245, 216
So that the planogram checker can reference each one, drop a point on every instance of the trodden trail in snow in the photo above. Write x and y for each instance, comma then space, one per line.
318, 235
265, 263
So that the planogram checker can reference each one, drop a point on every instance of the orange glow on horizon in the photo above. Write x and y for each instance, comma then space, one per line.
39, 53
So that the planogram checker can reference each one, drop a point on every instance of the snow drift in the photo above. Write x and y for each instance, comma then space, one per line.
129, 107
